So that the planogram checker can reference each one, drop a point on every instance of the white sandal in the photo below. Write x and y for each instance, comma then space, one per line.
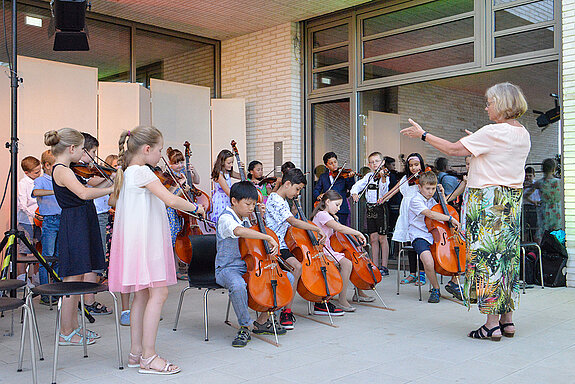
145, 367
133, 357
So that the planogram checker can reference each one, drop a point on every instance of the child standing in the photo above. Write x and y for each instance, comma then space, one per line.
324, 216
377, 214
50, 211
256, 175
222, 174
230, 267
141, 257
420, 208
27, 207
80, 249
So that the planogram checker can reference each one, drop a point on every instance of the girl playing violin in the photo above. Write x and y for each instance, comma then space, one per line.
413, 164
324, 216
222, 174
256, 175
80, 249
141, 257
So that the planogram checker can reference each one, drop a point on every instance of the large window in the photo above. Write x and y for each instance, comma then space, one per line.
330, 56
432, 35
157, 54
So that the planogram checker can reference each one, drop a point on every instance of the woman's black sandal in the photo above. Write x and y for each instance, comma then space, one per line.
503, 332
485, 333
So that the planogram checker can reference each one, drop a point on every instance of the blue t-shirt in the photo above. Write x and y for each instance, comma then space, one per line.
448, 181
47, 205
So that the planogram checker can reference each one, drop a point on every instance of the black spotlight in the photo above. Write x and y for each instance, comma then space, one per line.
70, 23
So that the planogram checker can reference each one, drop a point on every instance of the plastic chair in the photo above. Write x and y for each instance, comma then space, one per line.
201, 274
74, 288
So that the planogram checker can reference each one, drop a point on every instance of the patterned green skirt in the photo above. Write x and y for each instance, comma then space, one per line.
493, 236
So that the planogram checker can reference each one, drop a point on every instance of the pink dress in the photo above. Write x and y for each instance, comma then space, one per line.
320, 219
141, 254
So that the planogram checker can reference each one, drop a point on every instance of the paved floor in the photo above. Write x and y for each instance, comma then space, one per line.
417, 343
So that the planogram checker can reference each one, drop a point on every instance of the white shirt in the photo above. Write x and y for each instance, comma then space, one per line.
277, 213
227, 224
371, 195
417, 228
26, 203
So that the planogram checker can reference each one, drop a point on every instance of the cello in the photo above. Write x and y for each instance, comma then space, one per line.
320, 279
269, 287
448, 248
364, 274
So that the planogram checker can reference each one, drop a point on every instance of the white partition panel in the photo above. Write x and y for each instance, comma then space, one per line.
229, 123
121, 106
182, 112
54, 95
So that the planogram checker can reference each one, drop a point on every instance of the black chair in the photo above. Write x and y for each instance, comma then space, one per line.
81, 288
201, 273
9, 303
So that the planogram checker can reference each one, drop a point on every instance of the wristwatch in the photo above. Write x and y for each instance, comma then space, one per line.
423, 136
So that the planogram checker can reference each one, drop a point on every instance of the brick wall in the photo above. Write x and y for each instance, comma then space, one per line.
449, 112
568, 84
195, 67
263, 67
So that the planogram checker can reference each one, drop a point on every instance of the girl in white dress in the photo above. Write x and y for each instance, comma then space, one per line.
414, 164
141, 255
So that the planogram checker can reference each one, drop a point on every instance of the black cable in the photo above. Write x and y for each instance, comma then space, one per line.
6, 187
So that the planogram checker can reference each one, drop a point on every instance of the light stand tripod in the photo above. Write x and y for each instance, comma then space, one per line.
13, 234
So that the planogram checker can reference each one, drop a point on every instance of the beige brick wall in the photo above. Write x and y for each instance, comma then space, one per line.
195, 67
568, 84
263, 68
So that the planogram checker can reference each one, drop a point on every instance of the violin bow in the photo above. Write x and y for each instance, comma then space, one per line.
173, 176
394, 190
336, 176
97, 167
371, 178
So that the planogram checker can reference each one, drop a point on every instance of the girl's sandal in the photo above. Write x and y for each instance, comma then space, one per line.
503, 332
68, 340
485, 333
146, 368
409, 279
134, 360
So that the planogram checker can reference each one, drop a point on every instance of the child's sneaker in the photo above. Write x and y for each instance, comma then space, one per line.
287, 319
422, 279
384, 271
125, 318
319, 309
434, 296
267, 328
242, 338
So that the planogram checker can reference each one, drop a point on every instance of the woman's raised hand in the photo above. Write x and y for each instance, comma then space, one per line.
414, 131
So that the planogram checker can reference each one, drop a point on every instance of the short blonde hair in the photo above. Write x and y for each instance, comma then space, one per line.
427, 178
509, 101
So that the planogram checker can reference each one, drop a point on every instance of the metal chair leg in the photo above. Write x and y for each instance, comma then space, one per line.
179, 308
228, 309
57, 341
27, 325
417, 279
540, 265
23, 341
30, 304
83, 317
399, 255
118, 341
523, 261
206, 292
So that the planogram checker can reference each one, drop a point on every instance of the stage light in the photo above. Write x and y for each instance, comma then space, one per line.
70, 23
551, 116
33, 21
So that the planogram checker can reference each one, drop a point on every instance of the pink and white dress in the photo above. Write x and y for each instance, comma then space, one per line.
141, 254
320, 219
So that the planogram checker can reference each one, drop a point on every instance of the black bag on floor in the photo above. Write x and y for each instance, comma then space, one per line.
530, 262
554, 256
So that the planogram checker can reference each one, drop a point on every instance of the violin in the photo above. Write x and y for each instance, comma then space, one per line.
378, 176
242, 170
448, 248
165, 178
344, 173
268, 286
416, 180
267, 180
364, 274
320, 278
87, 171
393, 191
